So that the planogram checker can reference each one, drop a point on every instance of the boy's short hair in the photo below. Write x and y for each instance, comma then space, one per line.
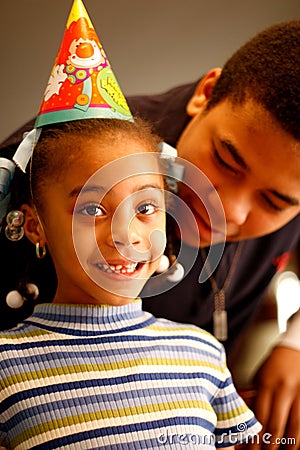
267, 70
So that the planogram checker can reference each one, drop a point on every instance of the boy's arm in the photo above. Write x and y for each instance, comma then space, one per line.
277, 404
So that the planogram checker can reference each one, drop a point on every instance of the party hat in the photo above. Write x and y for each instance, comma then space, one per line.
82, 84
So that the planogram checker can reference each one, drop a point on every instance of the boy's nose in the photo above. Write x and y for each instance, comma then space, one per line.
237, 206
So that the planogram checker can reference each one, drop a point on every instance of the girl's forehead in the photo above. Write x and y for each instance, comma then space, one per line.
105, 149
105, 170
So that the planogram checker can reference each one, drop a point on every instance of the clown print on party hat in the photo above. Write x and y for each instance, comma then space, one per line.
82, 84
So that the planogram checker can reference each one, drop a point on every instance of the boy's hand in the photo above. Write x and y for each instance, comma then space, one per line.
277, 405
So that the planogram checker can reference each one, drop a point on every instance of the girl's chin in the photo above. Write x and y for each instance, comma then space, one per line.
116, 287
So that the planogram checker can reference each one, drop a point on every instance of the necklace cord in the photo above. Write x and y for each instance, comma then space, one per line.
220, 314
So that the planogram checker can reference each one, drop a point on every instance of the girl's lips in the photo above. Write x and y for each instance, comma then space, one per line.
119, 269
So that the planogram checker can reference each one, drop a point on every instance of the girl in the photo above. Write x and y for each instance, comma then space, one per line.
91, 370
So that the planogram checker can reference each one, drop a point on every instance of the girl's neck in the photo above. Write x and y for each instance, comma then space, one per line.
119, 301
84, 299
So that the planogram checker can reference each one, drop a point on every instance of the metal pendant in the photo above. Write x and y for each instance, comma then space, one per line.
220, 325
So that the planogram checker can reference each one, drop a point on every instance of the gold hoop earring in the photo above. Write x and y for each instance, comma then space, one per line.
40, 251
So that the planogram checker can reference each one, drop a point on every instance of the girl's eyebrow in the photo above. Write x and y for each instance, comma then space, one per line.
149, 186
89, 188
101, 190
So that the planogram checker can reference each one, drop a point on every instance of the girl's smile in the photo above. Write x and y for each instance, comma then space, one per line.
120, 268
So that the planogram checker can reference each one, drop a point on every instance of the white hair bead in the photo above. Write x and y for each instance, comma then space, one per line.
14, 299
163, 265
33, 290
178, 273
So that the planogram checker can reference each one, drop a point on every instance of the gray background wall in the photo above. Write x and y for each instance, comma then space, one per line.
152, 44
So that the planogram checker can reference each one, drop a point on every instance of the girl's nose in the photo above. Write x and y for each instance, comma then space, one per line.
125, 238
124, 231
128, 241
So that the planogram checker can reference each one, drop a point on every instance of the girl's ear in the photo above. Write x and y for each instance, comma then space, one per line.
202, 93
32, 225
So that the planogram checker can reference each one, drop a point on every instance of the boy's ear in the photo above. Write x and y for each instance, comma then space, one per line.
203, 92
32, 225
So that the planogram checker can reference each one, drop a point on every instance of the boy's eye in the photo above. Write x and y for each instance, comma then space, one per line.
93, 210
223, 163
271, 204
146, 208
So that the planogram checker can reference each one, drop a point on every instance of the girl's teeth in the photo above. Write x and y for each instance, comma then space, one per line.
118, 268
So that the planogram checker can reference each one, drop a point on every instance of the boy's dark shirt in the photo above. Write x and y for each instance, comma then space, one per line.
188, 301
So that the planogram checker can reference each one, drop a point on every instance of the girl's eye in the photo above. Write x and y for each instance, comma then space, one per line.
93, 210
146, 208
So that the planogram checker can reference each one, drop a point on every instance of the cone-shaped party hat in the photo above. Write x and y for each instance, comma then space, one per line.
82, 84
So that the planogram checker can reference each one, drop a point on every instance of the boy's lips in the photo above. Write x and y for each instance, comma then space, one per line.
205, 223
199, 218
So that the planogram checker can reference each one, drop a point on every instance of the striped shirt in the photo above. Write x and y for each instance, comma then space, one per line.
107, 377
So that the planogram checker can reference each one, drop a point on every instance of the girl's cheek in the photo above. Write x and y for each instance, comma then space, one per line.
85, 241
158, 242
